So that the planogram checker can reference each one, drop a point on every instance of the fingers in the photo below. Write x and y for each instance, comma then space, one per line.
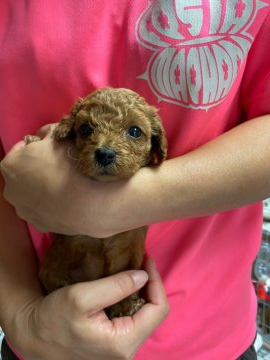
46, 131
18, 145
157, 307
9, 156
107, 291
81, 304
155, 290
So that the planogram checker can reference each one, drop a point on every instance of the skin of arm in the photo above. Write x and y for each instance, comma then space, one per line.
228, 172
16, 273
69, 323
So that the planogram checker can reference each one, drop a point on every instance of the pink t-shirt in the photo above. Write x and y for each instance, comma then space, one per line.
205, 65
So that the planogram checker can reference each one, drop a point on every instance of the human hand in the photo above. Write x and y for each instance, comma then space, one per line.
43, 184
70, 323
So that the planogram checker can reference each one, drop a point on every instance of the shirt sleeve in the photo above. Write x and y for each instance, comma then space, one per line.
256, 82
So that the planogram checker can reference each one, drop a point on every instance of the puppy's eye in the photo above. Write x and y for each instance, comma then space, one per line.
85, 130
135, 132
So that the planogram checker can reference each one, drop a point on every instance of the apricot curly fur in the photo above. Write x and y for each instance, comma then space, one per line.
102, 126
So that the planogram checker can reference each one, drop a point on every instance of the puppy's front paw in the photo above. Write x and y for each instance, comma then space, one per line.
135, 306
28, 139
126, 307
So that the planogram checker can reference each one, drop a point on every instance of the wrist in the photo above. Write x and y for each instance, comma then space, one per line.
20, 328
129, 204
12, 308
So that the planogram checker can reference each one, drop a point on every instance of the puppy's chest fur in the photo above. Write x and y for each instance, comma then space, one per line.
73, 259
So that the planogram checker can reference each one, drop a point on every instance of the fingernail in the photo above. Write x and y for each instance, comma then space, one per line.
139, 277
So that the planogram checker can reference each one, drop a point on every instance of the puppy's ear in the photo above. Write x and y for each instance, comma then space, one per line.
158, 141
65, 127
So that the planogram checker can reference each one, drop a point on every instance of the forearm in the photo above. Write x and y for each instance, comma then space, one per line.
231, 171
18, 265
228, 172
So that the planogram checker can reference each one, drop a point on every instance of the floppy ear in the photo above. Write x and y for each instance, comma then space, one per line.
158, 150
64, 129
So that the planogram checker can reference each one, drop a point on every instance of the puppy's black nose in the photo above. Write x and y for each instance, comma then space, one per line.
105, 156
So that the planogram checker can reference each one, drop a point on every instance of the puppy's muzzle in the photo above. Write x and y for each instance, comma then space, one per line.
105, 156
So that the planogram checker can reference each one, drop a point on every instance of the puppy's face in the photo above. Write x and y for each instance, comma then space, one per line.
116, 133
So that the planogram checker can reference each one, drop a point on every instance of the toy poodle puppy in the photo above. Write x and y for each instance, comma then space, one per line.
115, 133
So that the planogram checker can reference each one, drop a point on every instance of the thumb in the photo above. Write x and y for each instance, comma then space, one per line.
94, 296
46, 130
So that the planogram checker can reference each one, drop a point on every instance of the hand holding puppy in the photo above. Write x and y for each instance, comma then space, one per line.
47, 196
44, 184
40, 196
70, 323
